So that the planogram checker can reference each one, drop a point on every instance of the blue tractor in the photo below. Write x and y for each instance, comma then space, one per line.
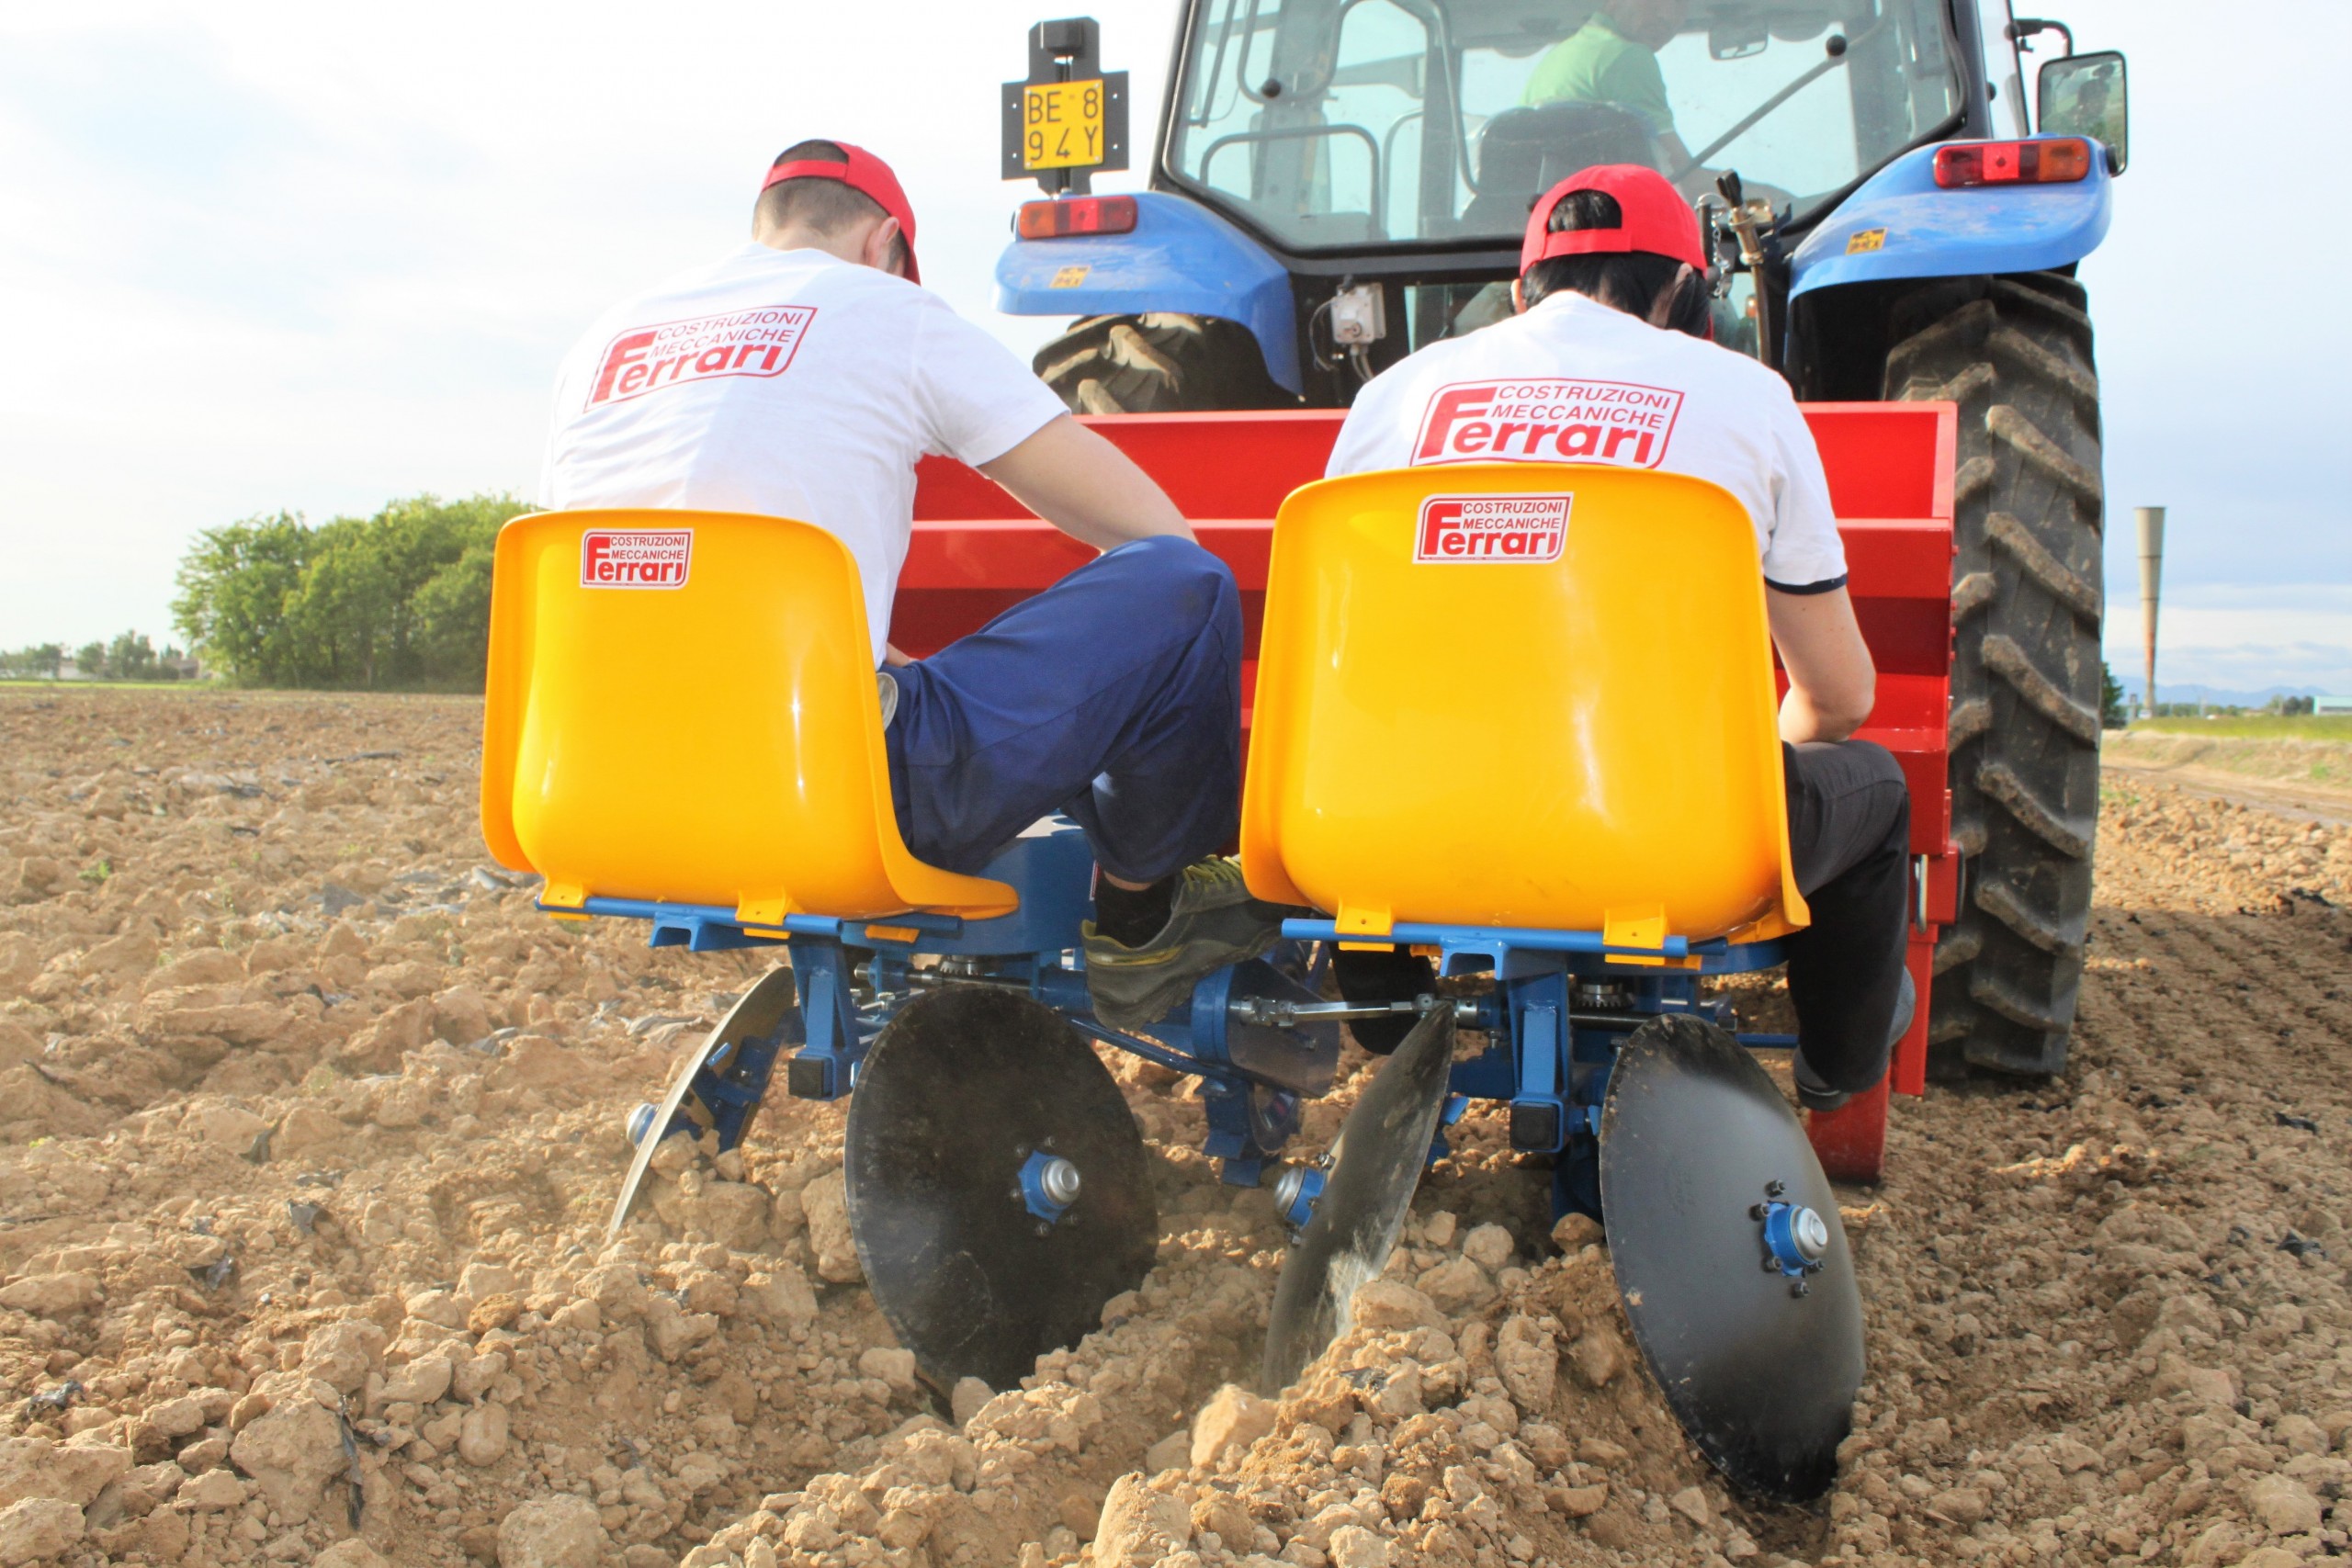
1336, 183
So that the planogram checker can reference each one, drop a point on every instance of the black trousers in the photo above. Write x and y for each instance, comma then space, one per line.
1849, 831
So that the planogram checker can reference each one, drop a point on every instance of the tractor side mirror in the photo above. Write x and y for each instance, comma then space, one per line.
1737, 39
2085, 95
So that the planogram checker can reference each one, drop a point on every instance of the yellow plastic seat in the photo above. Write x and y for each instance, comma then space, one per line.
1520, 696
682, 707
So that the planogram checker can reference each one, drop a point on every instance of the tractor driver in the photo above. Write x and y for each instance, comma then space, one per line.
1612, 287
1613, 59
801, 375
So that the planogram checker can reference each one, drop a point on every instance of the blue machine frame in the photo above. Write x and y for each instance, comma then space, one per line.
1259, 1036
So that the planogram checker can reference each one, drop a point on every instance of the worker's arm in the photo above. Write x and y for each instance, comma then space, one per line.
1086, 487
1831, 681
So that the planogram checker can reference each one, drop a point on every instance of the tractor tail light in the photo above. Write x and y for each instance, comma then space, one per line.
2058, 161
1077, 215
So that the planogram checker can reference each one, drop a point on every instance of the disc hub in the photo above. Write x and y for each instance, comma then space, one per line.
1796, 1238
1049, 1185
1295, 1191
641, 1120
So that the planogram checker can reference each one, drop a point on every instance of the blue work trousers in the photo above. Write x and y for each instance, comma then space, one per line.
1114, 695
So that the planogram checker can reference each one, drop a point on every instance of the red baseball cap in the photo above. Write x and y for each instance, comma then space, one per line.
1657, 220
865, 173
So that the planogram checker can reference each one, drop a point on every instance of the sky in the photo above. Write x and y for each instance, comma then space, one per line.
260, 255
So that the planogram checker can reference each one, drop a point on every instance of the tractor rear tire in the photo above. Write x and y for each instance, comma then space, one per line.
2015, 354
1161, 363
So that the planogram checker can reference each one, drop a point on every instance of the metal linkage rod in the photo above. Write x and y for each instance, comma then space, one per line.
1270, 1011
1279, 1014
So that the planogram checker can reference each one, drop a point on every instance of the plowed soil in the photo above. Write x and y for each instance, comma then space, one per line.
310, 1126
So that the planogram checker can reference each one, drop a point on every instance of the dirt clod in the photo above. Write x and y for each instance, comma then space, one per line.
38, 1529
556, 1531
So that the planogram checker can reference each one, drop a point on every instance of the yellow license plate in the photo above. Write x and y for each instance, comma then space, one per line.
1062, 125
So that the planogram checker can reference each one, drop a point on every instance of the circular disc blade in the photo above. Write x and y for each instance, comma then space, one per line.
1381, 1151
958, 1091
755, 1016
1761, 1377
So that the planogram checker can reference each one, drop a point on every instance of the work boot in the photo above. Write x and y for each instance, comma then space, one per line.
1212, 922
1814, 1094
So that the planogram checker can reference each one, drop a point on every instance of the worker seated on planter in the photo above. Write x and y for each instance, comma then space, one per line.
802, 375
1612, 297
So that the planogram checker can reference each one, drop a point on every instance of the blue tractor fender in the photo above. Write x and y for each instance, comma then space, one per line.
1901, 224
1181, 257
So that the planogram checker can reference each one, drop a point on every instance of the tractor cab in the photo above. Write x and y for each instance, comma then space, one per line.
1410, 136
1321, 121
1338, 182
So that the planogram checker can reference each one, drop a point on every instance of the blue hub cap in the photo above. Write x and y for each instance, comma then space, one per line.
1795, 1238
1049, 1185
1295, 1192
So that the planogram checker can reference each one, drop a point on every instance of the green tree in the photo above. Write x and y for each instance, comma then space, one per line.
130, 657
442, 552
40, 662
338, 615
2114, 713
453, 616
400, 599
236, 583
90, 659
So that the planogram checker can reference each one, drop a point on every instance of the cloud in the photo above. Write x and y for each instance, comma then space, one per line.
2241, 637
2222, 394
2318, 667
277, 256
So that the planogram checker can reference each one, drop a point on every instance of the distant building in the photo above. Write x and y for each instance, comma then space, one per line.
2331, 705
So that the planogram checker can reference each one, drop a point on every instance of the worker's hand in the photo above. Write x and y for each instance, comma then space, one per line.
892, 657
1086, 487
1832, 683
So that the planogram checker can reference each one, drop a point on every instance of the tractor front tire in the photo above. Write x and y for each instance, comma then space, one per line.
1160, 362
2015, 354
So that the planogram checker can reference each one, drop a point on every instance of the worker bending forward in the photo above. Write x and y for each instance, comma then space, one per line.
1613, 287
801, 376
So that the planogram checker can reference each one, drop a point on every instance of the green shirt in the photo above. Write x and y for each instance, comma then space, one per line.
1596, 65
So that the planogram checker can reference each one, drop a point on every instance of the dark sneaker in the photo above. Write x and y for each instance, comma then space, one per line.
1212, 922
1814, 1093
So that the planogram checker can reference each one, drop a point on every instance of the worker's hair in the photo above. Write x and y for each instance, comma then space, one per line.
826, 207
1627, 281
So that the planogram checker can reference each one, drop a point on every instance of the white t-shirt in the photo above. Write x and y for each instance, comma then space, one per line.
791, 384
1574, 380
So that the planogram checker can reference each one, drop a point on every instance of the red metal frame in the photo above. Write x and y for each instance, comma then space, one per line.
976, 550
